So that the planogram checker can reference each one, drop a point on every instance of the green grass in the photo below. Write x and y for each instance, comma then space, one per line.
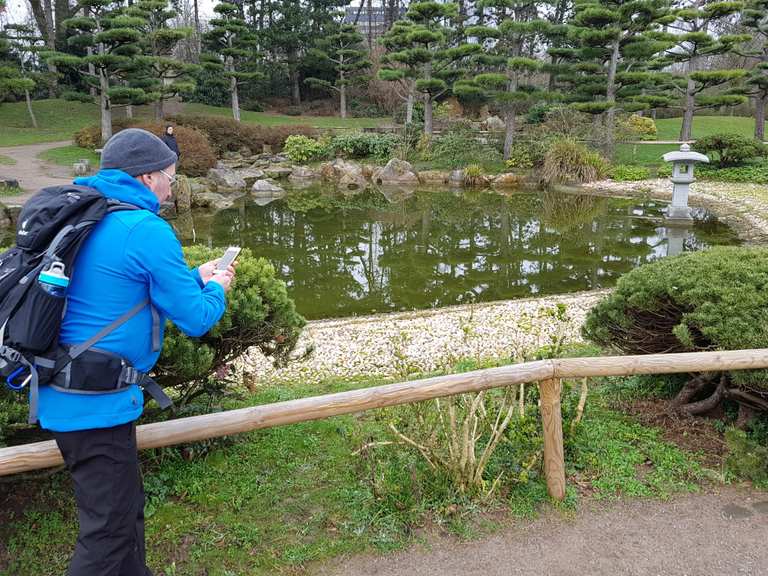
57, 120
272, 501
642, 154
268, 119
6, 161
9, 191
60, 119
669, 128
67, 155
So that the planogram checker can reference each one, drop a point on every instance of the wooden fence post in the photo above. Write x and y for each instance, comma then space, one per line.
552, 421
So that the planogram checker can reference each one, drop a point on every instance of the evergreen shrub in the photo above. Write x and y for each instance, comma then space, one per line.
730, 149
711, 300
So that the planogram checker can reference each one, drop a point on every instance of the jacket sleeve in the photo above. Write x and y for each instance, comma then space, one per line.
155, 253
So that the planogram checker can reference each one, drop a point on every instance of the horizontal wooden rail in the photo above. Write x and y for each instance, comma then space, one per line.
548, 372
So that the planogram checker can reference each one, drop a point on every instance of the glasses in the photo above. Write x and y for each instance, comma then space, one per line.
171, 179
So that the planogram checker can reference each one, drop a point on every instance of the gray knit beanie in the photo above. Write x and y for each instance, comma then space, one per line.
136, 152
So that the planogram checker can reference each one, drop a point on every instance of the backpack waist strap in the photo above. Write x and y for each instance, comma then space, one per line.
96, 371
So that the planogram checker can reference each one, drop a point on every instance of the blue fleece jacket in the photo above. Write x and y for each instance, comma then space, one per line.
129, 256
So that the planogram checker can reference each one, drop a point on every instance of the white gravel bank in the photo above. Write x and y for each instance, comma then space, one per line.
416, 342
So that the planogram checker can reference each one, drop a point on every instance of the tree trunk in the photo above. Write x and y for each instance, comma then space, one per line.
235, 98
129, 112
296, 89
106, 110
29, 108
370, 25
760, 103
509, 131
409, 107
689, 106
428, 115
343, 100
50, 41
610, 96
197, 18
160, 109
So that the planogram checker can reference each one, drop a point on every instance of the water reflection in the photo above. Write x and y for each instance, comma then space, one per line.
342, 255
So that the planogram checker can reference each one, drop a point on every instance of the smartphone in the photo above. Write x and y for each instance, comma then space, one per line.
229, 257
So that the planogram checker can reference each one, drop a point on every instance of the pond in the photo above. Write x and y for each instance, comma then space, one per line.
344, 255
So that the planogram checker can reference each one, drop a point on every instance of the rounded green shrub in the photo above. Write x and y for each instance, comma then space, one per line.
711, 300
731, 149
259, 313
300, 148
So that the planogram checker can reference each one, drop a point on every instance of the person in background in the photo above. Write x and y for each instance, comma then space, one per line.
170, 140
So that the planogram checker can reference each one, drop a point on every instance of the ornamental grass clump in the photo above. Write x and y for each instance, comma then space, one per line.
711, 300
569, 162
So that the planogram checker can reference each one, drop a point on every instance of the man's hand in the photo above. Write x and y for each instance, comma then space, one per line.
208, 269
224, 277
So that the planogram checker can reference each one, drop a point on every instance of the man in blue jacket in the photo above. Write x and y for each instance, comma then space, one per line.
131, 256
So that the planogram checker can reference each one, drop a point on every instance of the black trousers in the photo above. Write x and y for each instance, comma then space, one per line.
104, 465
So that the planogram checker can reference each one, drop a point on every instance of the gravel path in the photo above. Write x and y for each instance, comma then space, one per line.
31, 172
717, 533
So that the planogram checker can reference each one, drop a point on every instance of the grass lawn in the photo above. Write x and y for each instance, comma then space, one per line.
273, 501
59, 119
267, 119
68, 155
642, 154
6, 161
669, 128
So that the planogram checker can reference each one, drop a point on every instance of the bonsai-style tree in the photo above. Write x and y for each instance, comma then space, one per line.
344, 50
231, 46
112, 39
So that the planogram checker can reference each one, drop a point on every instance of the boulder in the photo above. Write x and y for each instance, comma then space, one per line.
303, 177
250, 175
168, 211
456, 178
345, 174
508, 180
212, 200
226, 179
396, 172
278, 172
494, 123
433, 177
183, 196
266, 187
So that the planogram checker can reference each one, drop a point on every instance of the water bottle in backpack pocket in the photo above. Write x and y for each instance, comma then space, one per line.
35, 325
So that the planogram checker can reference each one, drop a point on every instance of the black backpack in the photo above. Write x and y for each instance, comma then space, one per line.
52, 227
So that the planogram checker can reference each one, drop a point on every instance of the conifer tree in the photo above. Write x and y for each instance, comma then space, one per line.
231, 46
692, 41
344, 50
755, 20
113, 38
19, 46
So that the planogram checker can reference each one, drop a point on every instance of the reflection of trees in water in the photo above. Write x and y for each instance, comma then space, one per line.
355, 254
571, 213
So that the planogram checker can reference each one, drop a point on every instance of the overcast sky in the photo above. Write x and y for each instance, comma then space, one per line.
17, 10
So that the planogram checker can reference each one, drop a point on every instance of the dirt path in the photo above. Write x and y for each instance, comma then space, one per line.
717, 533
31, 172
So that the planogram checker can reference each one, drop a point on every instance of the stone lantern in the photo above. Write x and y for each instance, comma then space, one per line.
682, 178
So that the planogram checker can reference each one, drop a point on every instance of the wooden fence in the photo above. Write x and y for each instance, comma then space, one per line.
548, 373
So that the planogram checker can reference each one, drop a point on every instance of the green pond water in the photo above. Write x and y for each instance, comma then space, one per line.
344, 255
